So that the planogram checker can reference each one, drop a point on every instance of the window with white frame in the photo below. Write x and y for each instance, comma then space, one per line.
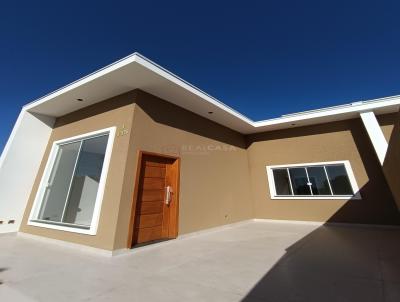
315, 180
72, 185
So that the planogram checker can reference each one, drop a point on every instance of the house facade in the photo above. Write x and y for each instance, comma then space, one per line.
133, 154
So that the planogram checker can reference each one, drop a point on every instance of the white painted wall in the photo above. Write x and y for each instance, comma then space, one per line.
375, 134
19, 164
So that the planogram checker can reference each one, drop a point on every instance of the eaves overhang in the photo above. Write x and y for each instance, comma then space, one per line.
137, 72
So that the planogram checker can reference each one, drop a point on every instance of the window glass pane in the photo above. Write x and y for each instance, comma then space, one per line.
318, 180
56, 190
339, 180
86, 180
299, 180
282, 184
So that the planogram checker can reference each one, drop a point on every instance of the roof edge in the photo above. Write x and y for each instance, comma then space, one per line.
358, 106
355, 107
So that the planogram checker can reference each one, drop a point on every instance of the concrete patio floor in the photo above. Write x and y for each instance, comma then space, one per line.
255, 261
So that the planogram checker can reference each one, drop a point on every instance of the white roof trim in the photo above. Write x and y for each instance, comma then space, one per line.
88, 78
357, 107
179, 81
228, 116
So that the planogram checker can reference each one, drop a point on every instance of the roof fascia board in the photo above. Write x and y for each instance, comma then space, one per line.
186, 85
365, 106
154, 67
88, 78
356, 107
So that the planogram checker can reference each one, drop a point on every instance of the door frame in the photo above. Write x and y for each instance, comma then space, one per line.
173, 233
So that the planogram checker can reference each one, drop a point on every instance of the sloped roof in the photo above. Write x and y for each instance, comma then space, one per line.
137, 72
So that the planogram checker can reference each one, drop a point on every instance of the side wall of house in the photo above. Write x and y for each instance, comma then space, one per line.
337, 141
116, 112
214, 175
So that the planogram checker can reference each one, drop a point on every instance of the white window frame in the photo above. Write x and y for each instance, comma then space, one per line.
92, 230
349, 171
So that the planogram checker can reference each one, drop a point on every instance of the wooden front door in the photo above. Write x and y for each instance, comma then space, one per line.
156, 194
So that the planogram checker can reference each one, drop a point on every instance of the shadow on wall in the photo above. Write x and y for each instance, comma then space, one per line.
338, 262
391, 166
2, 269
98, 108
161, 112
171, 115
377, 205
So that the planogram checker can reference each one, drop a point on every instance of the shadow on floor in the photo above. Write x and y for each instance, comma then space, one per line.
336, 263
2, 269
149, 243
340, 261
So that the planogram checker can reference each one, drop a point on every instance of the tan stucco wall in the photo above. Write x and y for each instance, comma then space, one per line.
215, 182
345, 140
223, 176
116, 112
391, 165
214, 176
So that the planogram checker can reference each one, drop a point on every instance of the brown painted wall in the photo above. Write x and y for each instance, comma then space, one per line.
116, 112
214, 182
391, 166
345, 140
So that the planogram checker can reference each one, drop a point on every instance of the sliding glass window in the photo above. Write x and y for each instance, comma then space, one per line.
311, 180
70, 189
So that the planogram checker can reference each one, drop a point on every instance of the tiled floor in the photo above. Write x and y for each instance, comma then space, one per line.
258, 261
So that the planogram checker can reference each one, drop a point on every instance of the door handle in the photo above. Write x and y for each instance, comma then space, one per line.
168, 192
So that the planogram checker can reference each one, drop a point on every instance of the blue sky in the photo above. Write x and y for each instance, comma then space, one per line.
263, 58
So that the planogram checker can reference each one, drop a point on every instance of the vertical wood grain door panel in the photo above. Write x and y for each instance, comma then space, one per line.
153, 218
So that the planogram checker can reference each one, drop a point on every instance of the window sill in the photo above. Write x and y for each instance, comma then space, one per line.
66, 227
347, 197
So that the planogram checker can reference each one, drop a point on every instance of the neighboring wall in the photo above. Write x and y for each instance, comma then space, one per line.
345, 140
116, 112
214, 176
391, 165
